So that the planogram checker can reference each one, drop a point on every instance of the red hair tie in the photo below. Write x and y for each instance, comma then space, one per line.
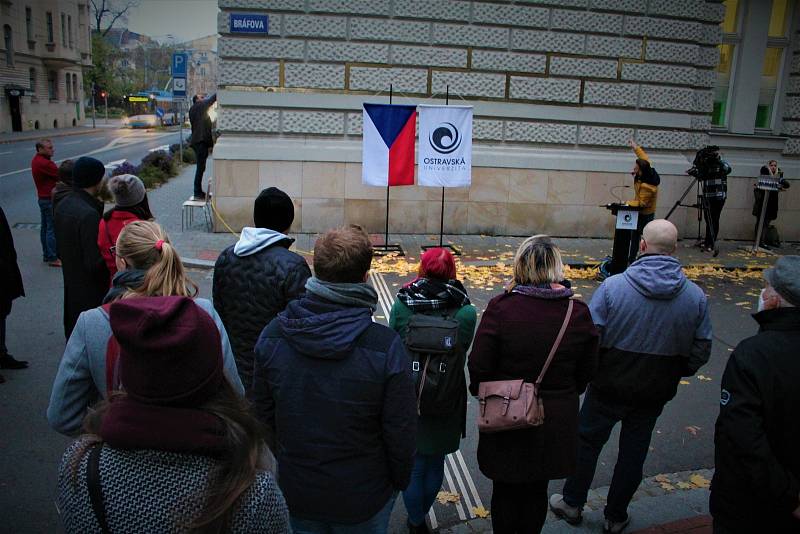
159, 244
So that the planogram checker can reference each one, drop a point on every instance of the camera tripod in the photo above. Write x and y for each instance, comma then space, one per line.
703, 212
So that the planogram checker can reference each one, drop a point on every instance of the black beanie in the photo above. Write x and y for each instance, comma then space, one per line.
87, 172
273, 209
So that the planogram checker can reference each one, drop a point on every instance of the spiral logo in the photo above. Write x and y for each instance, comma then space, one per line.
445, 138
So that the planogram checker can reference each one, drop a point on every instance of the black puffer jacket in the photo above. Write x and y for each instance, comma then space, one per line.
253, 281
756, 484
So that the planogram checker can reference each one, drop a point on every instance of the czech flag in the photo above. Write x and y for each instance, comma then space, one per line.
388, 150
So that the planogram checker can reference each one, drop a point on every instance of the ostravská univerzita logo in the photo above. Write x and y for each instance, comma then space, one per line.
445, 139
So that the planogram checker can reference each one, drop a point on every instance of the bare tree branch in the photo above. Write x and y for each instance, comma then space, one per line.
111, 10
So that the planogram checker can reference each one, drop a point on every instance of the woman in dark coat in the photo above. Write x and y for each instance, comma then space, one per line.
436, 291
514, 338
10, 288
770, 169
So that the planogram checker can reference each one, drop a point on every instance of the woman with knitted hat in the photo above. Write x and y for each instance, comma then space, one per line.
149, 267
130, 204
178, 450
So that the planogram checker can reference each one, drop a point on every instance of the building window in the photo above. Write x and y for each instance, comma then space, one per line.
29, 23
768, 88
780, 18
8, 41
32, 80
75, 86
63, 30
68, 85
731, 37
69, 31
52, 85
50, 38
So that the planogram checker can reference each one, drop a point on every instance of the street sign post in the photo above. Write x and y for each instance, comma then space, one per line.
179, 68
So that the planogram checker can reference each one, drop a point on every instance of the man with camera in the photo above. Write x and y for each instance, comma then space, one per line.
712, 173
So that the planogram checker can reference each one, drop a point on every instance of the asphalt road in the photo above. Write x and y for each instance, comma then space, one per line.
31, 452
17, 191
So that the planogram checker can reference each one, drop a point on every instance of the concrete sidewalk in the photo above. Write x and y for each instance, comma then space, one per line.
675, 503
200, 248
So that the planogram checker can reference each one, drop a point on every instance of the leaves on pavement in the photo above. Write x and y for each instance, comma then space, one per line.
480, 511
700, 481
445, 497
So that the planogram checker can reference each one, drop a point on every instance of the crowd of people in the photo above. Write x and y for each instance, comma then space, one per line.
282, 405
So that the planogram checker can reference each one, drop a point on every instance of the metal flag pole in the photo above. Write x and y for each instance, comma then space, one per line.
387, 248
452, 248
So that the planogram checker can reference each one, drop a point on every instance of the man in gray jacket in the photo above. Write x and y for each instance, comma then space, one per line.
654, 328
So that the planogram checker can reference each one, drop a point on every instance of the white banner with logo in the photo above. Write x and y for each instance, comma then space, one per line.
445, 146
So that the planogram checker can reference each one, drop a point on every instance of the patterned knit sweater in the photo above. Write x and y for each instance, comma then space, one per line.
159, 492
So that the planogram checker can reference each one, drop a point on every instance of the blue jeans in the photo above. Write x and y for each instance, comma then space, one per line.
377, 524
47, 233
426, 481
597, 418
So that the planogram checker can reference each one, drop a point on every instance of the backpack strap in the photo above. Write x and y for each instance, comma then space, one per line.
112, 359
95, 488
555, 345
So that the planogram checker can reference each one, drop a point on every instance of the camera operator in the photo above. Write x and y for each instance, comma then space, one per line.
770, 169
645, 187
712, 173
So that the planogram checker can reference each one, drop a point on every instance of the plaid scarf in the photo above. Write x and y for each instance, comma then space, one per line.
425, 294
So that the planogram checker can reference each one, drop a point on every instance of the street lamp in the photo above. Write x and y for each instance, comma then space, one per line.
104, 94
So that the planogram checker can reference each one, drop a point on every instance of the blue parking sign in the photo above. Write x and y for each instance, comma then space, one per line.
179, 62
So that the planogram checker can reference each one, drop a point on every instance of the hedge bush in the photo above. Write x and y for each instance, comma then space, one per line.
126, 168
162, 161
152, 176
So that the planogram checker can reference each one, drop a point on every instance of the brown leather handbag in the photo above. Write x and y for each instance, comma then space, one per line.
512, 404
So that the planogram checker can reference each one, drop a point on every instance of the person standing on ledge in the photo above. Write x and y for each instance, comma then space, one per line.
645, 187
202, 139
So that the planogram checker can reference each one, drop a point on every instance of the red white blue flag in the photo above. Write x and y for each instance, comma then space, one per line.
388, 147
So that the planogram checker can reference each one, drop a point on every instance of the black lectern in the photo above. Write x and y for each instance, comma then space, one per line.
625, 232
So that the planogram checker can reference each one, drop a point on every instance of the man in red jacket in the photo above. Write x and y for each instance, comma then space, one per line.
45, 176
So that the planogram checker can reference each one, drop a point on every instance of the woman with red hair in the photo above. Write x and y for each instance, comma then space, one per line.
437, 293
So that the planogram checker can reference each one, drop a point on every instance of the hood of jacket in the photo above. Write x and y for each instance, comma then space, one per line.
656, 276
323, 330
253, 240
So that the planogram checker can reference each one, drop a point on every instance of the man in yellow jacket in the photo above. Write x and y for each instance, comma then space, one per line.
645, 188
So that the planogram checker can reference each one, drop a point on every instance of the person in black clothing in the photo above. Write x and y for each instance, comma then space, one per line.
256, 278
202, 138
770, 169
10, 289
77, 220
714, 194
756, 485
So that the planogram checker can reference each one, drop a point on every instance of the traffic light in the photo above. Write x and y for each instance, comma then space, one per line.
103, 94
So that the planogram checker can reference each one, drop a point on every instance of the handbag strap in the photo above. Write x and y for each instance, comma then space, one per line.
555, 345
95, 489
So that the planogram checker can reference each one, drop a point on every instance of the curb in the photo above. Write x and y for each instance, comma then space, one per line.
196, 263
50, 136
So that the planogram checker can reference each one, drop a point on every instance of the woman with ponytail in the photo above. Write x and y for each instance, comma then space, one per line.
149, 266
174, 452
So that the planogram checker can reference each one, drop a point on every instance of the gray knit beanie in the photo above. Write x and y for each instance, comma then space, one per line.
127, 189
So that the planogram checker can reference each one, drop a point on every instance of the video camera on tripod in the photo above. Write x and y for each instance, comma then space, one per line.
709, 172
708, 165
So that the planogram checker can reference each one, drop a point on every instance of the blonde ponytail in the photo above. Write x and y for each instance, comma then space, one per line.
145, 245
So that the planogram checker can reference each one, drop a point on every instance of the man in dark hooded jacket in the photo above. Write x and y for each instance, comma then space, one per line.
335, 391
654, 329
256, 278
756, 486
77, 219
202, 138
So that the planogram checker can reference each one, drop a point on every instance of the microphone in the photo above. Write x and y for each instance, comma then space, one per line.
618, 187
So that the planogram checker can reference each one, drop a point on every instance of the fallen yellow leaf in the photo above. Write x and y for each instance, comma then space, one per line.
685, 382
699, 481
666, 486
445, 497
684, 485
480, 511
693, 430
662, 478
703, 378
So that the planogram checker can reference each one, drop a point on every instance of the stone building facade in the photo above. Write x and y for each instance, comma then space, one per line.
46, 45
202, 72
558, 89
